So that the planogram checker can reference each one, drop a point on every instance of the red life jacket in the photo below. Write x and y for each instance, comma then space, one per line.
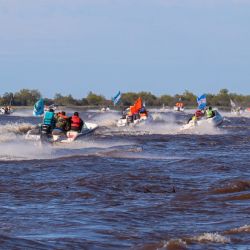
75, 121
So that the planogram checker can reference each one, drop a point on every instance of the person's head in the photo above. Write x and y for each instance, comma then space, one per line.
51, 110
63, 113
209, 108
76, 114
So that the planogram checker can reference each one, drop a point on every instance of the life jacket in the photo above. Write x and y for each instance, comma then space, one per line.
194, 118
75, 121
62, 122
129, 113
49, 119
210, 113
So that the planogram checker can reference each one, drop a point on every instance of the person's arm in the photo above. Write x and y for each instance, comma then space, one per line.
81, 123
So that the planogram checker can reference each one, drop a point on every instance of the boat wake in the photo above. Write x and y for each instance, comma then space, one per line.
203, 240
11, 131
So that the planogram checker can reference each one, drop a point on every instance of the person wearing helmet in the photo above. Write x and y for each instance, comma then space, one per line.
197, 115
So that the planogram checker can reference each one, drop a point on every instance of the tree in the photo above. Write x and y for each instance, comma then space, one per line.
64, 100
189, 98
26, 97
223, 98
94, 99
148, 98
166, 100
7, 98
129, 98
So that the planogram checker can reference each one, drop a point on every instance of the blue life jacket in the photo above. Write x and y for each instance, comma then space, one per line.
49, 119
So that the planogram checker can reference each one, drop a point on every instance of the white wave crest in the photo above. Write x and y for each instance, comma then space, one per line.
211, 237
10, 131
174, 244
243, 229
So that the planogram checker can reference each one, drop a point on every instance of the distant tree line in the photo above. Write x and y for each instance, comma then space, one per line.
26, 97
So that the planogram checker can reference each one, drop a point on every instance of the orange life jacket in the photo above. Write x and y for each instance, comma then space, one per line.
75, 121
62, 116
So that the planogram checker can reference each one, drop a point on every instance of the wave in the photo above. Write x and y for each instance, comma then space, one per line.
204, 238
210, 237
233, 187
11, 131
175, 244
243, 229
185, 242
8, 242
20, 149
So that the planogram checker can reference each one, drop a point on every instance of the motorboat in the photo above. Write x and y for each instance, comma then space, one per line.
215, 121
133, 115
132, 120
44, 133
179, 106
6, 110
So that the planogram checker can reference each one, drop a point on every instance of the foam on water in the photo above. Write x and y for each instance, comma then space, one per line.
174, 244
23, 150
205, 238
107, 119
245, 114
9, 131
23, 112
233, 187
243, 229
211, 237
17, 148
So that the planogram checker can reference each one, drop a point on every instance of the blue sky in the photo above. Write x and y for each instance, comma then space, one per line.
162, 46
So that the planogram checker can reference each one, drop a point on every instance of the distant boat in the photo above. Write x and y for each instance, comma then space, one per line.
48, 107
105, 109
6, 110
235, 109
163, 108
179, 106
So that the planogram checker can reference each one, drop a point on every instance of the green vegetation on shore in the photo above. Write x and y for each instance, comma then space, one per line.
26, 97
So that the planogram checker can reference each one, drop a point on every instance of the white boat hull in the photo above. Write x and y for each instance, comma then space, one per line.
214, 121
123, 122
73, 135
36, 134
178, 108
3, 111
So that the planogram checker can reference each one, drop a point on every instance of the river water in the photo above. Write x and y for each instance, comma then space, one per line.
149, 187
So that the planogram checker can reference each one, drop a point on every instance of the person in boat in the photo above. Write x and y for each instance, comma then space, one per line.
210, 113
136, 116
6, 110
125, 113
197, 116
130, 116
76, 122
62, 122
143, 112
49, 121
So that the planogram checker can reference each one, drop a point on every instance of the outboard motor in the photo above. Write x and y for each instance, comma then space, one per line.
45, 129
129, 118
136, 116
